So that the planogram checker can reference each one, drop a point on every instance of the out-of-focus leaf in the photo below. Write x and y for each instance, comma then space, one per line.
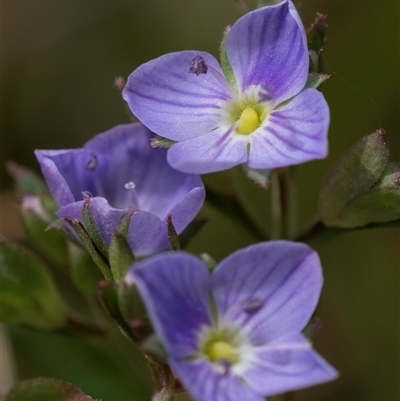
28, 295
26, 181
45, 390
355, 173
84, 272
36, 221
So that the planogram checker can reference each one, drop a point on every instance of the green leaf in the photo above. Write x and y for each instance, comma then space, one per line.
45, 390
354, 174
161, 142
28, 295
225, 64
90, 246
36, 222
91, 228
390, 176
84, 272
26, 180
377, 206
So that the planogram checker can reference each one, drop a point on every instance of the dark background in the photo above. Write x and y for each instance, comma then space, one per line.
59, 61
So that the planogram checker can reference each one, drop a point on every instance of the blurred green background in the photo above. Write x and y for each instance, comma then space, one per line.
59, 62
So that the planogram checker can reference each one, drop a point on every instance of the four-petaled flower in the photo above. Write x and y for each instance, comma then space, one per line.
235, 334
260, 113
119, 170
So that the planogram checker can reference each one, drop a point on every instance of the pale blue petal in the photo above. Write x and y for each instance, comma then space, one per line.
270, 289
209, 152
268, 47
175, 289
293, 134
205, 383
173, 102
289, 364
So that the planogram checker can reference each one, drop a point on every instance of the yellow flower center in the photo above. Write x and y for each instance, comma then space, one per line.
220, 351
249, 121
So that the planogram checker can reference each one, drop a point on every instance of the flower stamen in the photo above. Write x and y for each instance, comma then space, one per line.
249, 121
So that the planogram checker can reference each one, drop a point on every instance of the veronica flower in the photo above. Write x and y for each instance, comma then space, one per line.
235, 334
119, 170
259, 113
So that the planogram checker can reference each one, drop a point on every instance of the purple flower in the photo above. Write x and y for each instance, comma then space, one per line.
258, 113
235, 334
119, 170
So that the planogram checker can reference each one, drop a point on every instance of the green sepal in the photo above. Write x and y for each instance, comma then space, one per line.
36, 222
261, 177
312, 326
108, 295
190, 231
315, 79
380, 205
26, 180
390, 177
28, 294
316, 36
153, 347
225, 64
354, 174
91, 228
161, 142
173, 238
120, 255
45, 390
209, 261
90, 246
131, 306
84, 272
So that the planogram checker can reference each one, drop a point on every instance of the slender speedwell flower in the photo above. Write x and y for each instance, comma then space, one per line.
119, 170
235, 334
259, 112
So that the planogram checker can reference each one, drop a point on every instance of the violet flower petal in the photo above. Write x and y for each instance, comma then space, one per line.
147, 234
283, 277
268, 47
208, 152
293, 134
206, 384
174, 288
289, 363
173, 102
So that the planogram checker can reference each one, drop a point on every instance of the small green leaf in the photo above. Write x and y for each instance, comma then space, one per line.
35, 221
91, 228
84, 272
26, 180
390, 176
90, 246
45, 390
377, 206
108, 295
209, 261
225, 64
161, 142
354, 174
28, 291
260, 177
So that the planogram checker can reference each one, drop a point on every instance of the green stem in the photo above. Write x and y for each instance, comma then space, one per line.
289, 201
277, 212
